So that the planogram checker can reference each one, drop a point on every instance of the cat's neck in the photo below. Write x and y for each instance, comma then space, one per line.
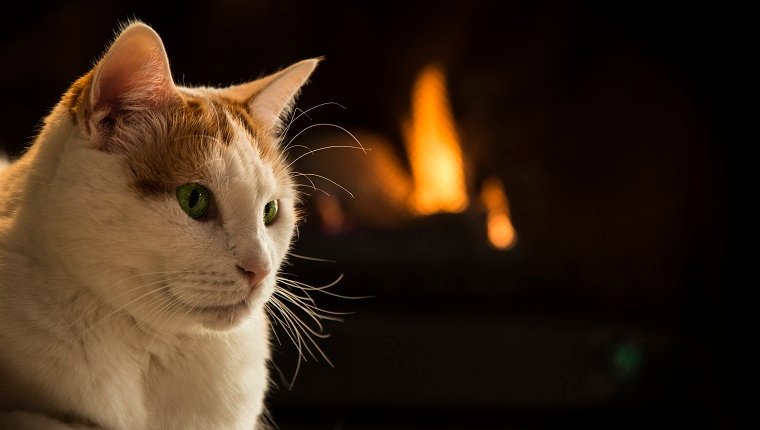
24, 184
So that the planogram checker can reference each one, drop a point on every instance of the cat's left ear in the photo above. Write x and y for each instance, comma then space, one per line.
270, 99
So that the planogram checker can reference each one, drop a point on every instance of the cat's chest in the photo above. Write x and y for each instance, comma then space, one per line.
214, 382
209, 384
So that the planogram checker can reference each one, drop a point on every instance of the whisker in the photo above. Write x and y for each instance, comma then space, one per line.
306, 308
307, 178
178, 308
315, 188
322, 149
295, 323
156, 306
99, 297
297, 146
331, 284
305, 112
274, 332
304, 257
328, 180
308, 331
307, 287
294, 336
287, 327
326, 147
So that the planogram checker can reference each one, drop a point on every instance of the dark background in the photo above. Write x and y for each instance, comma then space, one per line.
609, 127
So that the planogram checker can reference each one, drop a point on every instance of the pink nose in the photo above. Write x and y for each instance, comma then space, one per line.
255, 273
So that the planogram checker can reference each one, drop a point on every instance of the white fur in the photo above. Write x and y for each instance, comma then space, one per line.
69, 257
86, 330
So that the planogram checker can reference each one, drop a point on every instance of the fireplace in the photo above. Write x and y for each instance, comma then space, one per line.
525, 195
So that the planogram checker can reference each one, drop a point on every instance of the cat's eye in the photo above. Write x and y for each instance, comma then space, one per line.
270, 212
194, 199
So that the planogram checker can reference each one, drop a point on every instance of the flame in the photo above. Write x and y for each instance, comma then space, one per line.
501, 232
433, 146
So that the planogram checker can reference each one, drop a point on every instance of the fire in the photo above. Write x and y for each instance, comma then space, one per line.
501, 232
433, 146
438, 179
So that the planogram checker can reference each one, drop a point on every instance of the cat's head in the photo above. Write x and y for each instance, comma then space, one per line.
175, 204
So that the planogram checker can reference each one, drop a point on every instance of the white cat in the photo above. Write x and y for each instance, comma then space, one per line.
140, 236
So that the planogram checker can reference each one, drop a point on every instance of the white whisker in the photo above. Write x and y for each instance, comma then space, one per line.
326, 179
315, 188
304, 257
361, 147
305, 112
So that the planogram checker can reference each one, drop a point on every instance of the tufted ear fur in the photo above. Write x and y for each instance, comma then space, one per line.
132, 76
270, 99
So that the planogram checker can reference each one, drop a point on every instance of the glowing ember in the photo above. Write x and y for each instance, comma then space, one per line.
331, 214
501, 233
433, 147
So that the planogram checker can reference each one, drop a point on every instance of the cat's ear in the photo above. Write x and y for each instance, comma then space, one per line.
132, 76
271, 98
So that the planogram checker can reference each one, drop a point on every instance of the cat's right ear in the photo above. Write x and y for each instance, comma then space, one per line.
270, 99
132, 76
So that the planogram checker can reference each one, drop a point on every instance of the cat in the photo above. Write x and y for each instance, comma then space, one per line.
140, 238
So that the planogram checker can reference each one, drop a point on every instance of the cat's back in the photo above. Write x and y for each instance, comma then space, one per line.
4, 163
12, 180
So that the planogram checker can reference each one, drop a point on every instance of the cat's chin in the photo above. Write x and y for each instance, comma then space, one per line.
228, 317
189, 317
219, 318
225, 317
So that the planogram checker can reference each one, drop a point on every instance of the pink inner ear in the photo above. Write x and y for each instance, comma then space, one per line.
134, 75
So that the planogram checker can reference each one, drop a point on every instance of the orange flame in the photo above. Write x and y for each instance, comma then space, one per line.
433, 146
501, 232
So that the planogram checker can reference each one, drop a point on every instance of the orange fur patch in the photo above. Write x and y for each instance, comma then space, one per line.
164, 148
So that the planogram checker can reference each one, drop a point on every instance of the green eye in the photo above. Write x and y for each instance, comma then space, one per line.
194, 199
270, 212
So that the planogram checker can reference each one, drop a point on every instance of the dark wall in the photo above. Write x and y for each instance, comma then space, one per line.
606, 125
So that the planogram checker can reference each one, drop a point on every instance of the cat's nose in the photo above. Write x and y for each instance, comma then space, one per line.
256, 273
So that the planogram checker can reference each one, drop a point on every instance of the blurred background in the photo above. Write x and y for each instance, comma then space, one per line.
542, 215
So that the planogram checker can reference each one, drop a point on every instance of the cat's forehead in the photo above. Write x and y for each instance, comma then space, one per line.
205, 138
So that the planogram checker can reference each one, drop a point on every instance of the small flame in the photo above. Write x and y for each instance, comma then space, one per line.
501, 232
433, 146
